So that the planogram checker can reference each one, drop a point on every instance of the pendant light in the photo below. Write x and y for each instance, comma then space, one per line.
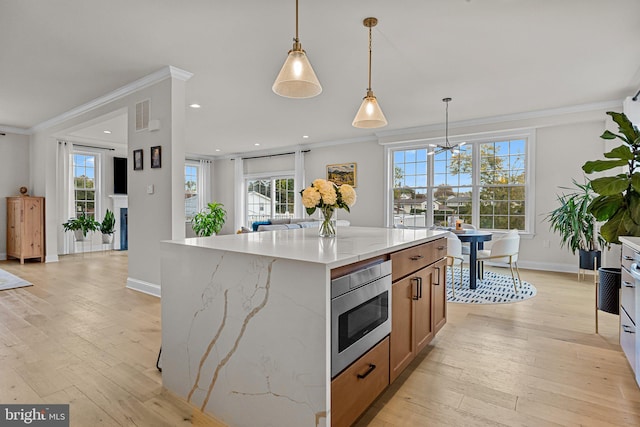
447, 146
297, 78
370, 114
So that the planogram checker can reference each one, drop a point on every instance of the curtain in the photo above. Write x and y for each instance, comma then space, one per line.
239, 215
205, 194
298, 184
66, 197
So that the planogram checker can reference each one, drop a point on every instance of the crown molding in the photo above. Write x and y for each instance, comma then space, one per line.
505, 118
11, 129
146, 81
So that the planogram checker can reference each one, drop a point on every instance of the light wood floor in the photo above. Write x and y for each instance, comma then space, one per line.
79, 337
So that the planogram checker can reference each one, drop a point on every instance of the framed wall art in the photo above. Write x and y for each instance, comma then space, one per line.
137, 160
342, 173
156, 157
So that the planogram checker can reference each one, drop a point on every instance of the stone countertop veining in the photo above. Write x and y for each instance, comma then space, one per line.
352, 244
632, 242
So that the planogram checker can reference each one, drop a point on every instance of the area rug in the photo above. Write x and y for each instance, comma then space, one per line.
493, 289
9, 281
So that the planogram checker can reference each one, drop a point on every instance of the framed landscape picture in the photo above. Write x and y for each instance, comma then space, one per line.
342, 173
137, 160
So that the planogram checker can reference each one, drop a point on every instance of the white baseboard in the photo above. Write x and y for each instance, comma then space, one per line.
51, 258
144, 287
3, 256
548, 266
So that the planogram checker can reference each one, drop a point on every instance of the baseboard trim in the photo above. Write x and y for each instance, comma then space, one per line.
51, 258
547, 266
3, 256
144, 287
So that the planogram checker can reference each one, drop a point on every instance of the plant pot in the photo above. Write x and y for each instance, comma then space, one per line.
78, 235
608, 289
107, 238
587, 259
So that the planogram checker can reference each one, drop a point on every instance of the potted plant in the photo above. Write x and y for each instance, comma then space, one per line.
576, 225
107, 226
210, 220
81, 226
618, 200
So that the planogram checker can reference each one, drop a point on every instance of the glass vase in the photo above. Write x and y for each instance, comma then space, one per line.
328, 222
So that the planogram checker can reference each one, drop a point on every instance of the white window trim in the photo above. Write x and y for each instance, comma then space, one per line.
99, 177
271, 176
200, 195
475, 139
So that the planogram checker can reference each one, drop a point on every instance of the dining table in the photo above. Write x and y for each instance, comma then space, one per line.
476, 241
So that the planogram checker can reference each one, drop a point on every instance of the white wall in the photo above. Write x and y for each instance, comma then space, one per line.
14, 173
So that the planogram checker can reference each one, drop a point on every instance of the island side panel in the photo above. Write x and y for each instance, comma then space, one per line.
244, 337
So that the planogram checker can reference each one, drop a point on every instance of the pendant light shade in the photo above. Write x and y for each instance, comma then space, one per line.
370, 114
297, 78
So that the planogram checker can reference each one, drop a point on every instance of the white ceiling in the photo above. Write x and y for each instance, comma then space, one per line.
493, 57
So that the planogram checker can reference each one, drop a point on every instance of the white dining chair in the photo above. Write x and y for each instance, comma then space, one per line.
466, 250
503, 249
454, 256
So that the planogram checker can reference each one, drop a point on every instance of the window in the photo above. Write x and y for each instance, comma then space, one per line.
483, 183
85, 184
269, 197
190, 191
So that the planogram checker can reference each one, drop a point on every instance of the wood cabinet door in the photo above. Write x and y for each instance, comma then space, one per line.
13, 226
401, 340
439, 295
423, 320
32, 239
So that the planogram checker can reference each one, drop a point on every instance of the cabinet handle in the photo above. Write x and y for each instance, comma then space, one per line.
419, 287
441, 248
627, 329
416, 257
628, 285
366, 374
628, 258
417, 295
438, 276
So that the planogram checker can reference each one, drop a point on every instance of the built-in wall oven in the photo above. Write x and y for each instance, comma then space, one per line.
360, 313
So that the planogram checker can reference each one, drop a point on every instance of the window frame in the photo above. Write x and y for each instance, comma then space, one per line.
271, 177
196, 164
97, 184
529, 135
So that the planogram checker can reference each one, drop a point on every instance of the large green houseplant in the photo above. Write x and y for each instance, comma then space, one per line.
618, 200
81, 225
210, 220
576, 225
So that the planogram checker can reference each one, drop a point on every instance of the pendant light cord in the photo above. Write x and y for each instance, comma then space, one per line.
369, 88
446, 128
296, 39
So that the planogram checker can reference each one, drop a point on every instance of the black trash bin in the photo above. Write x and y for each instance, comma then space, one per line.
608, 287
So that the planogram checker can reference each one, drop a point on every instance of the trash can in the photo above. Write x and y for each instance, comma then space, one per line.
608, 289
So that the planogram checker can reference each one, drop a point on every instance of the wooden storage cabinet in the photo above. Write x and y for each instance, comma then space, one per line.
25, 228
418, 306
357, 387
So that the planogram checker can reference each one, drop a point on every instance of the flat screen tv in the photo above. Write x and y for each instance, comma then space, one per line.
120, 175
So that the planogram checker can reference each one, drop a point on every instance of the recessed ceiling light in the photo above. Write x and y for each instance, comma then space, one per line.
256, 144
106, 131
305, 136
195, 105
217, 149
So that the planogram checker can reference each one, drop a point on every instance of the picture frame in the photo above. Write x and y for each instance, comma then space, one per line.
156, 157
138, 160
342, 173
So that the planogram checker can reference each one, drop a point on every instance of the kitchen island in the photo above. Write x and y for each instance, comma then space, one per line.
246, 319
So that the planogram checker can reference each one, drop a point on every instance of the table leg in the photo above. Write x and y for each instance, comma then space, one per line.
472, 264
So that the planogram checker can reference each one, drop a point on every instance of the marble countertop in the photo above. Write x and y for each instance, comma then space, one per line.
631, 241
352, 244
